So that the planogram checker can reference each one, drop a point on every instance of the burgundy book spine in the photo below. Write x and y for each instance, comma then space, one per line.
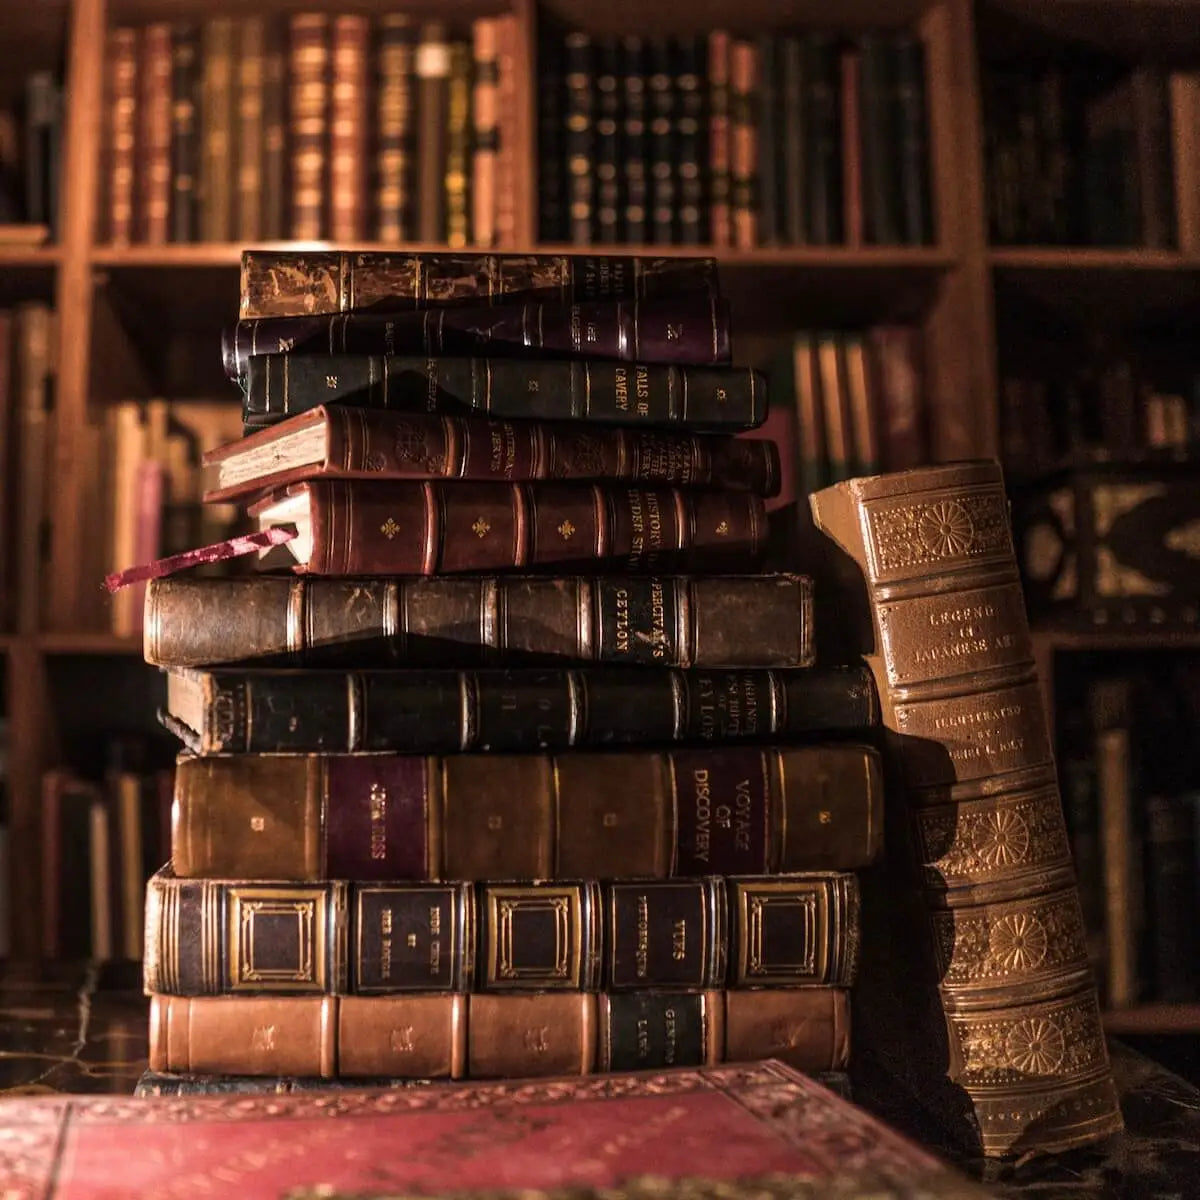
375, 444
685, 330
363, 527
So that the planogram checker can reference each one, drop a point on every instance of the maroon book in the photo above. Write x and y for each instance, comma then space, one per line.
758, 1130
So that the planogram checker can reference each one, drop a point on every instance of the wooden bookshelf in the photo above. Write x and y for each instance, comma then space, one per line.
949, 288
1154, 1019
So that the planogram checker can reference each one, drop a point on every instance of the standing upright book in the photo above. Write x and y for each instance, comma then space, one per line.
996, 1022
758, 1131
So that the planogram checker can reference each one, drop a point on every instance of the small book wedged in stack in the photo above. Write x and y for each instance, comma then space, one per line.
524, 767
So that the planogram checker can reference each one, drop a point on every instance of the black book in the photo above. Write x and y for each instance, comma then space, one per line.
438, 711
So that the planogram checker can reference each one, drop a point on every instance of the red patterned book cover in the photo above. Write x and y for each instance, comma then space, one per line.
759, 1130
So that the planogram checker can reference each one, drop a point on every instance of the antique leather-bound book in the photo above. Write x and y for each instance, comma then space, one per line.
340, 442
349, 140
723, 810
265, 711
1004, 1041
212, 937
276, 386
408, 527
483, 1036
685, 621
746, 1131
308, 129
689, 329
294, 283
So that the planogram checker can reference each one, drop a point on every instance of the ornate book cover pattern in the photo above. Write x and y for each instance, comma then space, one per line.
754, 1130
1022, 1051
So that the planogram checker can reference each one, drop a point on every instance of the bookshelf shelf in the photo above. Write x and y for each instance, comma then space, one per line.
1090, 258
1154, 1018
1116, 638
29, 257
87, 642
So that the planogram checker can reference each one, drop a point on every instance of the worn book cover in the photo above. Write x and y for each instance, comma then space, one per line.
758, 1130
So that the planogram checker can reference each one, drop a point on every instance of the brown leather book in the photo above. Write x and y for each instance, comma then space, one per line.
153, 206
509, 168
275, 202
852, 155
482, 1036
250, 126
725, 810
456, 190
297, 283
394, 136
348, 128
433, 118
309, 123
218, 165
122, 59
997, 1030
705, 621
365, 527
340, 442
485, 117
216, 937
745, 93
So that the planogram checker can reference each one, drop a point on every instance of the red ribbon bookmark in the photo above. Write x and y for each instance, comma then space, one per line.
230, 548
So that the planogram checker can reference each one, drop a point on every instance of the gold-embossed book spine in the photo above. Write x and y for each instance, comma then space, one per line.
495, 1036
236, 937
1020, 1057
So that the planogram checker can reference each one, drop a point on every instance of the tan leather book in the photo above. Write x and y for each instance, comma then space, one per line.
975, 988
275, 201
509, 170
723, 810
348, 128
485, 119
394, 112
309, 123
122, 60
154, 135
218, 166
458, 147
485, 1036
250, 124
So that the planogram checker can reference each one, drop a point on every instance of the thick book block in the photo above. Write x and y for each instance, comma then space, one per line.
746, 1131
369, 527
290, 283
216, 936
725, 810
982, 914
266, 711
703, 621
339, 442
486, 1036
277, 386
685, 330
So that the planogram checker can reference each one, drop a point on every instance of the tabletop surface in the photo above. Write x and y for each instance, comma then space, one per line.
72, 1028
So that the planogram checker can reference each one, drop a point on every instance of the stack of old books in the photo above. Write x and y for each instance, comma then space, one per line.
520, 768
